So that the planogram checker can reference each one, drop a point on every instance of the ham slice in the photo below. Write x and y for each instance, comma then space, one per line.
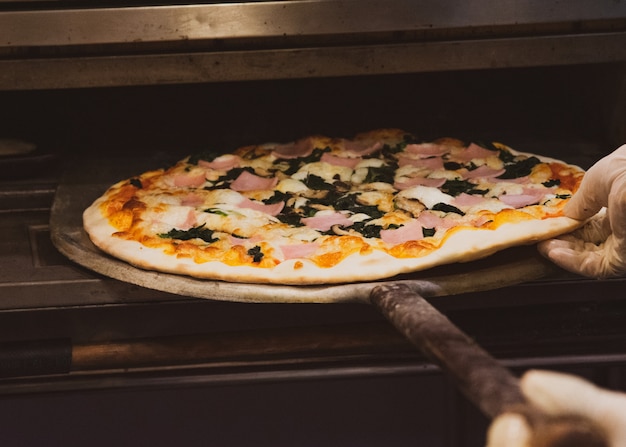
192, 199
467, 200
483, 171
300, 148
530, 196
412, 231
362, 147
242, 240
424, 181
272, 209
426, 150
250, 182
222, 163
302, 250
326, 221
340, 161
472, 152
192, 179
430, 220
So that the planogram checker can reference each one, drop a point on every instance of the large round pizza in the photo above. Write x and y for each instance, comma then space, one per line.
333, 210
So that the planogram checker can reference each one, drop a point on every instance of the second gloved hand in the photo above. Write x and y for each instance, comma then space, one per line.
598, 249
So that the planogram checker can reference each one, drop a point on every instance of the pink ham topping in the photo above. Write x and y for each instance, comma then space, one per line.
325, 222
412, 231
272, 209
302, 250
430, 220
340, 161
467, 200
362, 147
300, 148
415, 181
426, 150
191, 179
192, 199
243, 240
530, 196
250, 182
223, 163
472, 152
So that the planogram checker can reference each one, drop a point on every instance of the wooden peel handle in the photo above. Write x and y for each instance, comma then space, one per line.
486, 383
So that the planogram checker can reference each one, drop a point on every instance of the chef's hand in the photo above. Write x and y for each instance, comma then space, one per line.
558, 395
598, 249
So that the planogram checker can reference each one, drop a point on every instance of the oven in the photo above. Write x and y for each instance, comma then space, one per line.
93, 85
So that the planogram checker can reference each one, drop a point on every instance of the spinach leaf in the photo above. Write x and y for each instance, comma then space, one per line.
256, 253
456, 187
447, 208
316, 182
217, 211
367, 230
136, 183
428, 232
204, 155
290, 218
519, 169
198, 232
552, 182
384, 174
278, 196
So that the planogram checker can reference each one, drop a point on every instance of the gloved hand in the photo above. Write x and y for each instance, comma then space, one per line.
558, 394
598, 249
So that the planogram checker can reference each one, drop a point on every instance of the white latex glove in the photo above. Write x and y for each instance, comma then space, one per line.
559, 394
598, 249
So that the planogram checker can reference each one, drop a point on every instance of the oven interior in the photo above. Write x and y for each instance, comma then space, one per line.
322, 373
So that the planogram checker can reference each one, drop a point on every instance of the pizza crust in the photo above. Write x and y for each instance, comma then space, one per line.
464, 245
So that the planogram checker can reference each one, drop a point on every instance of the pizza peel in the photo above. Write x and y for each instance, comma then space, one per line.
401, 300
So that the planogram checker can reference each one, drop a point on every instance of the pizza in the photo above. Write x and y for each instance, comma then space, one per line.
333, 210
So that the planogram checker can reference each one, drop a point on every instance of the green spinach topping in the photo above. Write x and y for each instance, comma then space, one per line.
290, 217
349, 202
256, 253
428, 232
452, 165
456, 187
136, 183
217, 211
506, 156
447, 208
552, 182
367, 230
278, 196
519, 169
380, 174
198, 232
316, 182
204, 155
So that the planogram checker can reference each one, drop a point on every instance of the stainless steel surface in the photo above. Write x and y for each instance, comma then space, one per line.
90, 26
187, 43
289, 63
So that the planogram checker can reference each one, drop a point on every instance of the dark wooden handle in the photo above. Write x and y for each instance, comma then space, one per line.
486, 383
477, 375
